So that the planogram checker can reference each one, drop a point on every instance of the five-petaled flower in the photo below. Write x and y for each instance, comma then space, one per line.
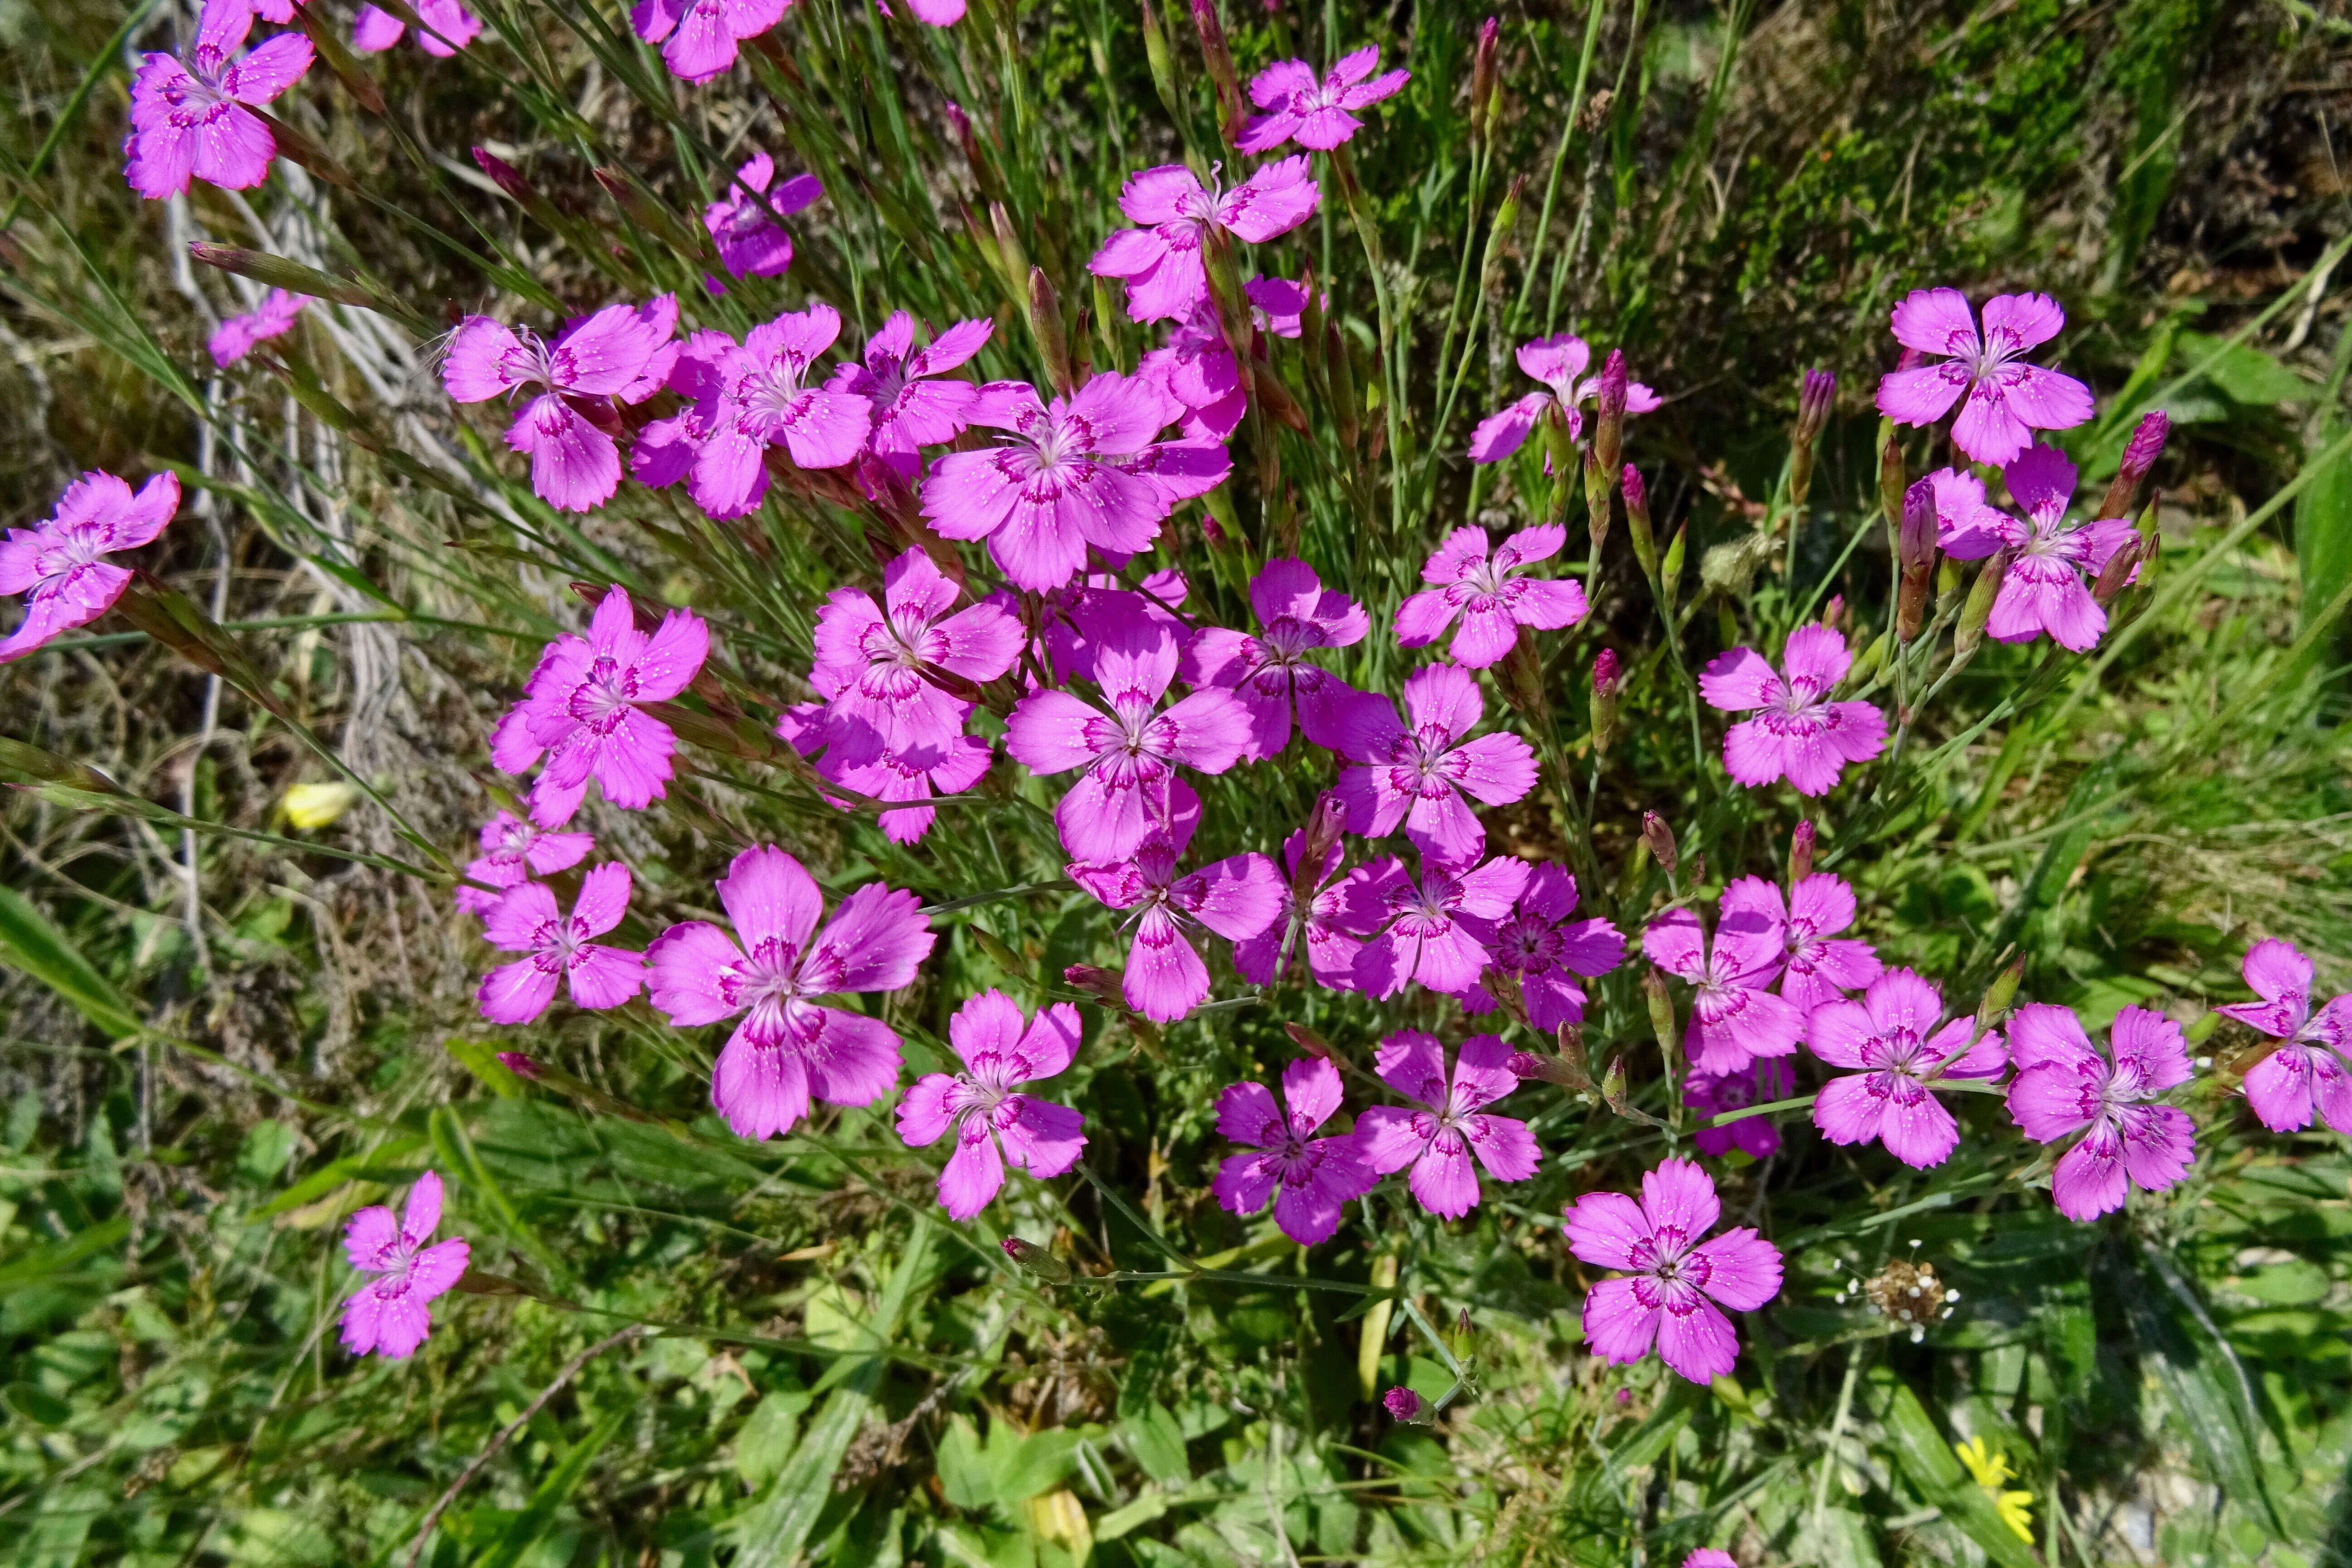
1546, 951
1270, 672
1236, 898
1312, 111
583, 708
1441, 932
387, 1315
1679, 1284
1447, 1126
788, 1047
2064, 1085
1801, 734
1821, 965
513, 849
1160, 257
993, 1120
913, 407
1898, 1048
1486, 588
196, 118
1733, 1018
1560, 363
700, 38
560, 947
2307, 1069
2008, 400
765, 393
1416, 776
274, 317
1342, 907
2049, 557
1310, 1179
60, 565
743, 222
881, 651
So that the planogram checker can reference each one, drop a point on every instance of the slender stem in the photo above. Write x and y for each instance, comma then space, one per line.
1593, 15
1360, 211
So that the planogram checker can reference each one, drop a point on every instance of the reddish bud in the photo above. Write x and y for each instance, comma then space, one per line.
1814, 400
2117, 574
1104, 985
1307, 1040
1403, 1403
1607, 682
2140, 453
1914, 549
520, 1065
1801, 853
1661, 840
505, 175
1609, 421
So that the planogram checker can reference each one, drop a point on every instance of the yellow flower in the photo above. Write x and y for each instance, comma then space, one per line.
311, 807
1989, 1470
2011, 1507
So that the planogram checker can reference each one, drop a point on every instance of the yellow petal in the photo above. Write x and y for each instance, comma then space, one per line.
2012, 1508
311, 807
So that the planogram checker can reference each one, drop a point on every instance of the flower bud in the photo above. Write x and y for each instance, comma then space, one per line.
1035, 1261
1915, 554
1326, 819
1307, 1040
1892, 481
1670, 569
1012, 258
278, 272
1483, 82
966, 137
1220, 61
1162, 63
520, 1065
1637, 520
1548, 1069
2140, 453
505, 176
2001, 993
1660, 838
2117, 574
1403, 1403
1801, 853
1609, 421
1814, 399
1662, 1015
1104, 985
1968, 633
1607, 682
1046, 326
1520, 675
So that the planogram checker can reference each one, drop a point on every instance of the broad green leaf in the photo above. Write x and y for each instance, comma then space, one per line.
765, 1441
30, 941
1927, 1457
772, 1530
1038, 1463
2245, 374
1157, 1445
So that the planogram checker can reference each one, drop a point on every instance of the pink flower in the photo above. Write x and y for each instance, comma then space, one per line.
788, 1047
887, 704
951, 766
58, 564
1966, 529
1270, 673
1486, 590
912, 408
1546, 951
1762, 1082
513, 848
699, 37
1236, 898
1801, 734
1079, 472
665, 449
525, 919
1708, 1557
1680, 1284
1075, 614
2045, 589
273, 317
764, 394
1559, 363
2063, 1085
1821, 966
992, 1121
192, 118
1445, 1128
1311, 1180
1402, 1403
2306, 1070
743, 221
1160, 258
1343, 907
1312, 112
1196, 368
1129, 755
1891, 1041
2007, 401
1733, 1018
387, 1314
622, 352
448, 27
1442, 933
583, 708
1417, 776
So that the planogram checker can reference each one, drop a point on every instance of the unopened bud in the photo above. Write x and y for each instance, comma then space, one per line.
1600, 487
1892, 479
1035, 1261
1220, 61
1968, 634
1814, 399
1403, 1403
1104, 985
1607, 683
1520, 675
1046, 326
1612, 1085
505, 175
1011, 256
2001, 993
1914, 550
2140, 453
519, 1063
1609, 420
1801, 853
966, 137
1660, 838
1482, 83
1547, 1070
1670, 568
1162, 63
1662, 1015
2117, 574
1307, 1040
1326, 819
1637, 520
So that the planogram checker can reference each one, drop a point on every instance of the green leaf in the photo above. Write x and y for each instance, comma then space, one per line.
1927, 1457
1157, 1445
28, 941
2245, 374
765, 1442
1038, 1463
482, 1061
773, 1529
561, 1483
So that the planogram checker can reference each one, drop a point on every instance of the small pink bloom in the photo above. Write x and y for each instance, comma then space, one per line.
1160, 257
60, 565
526, 920
2064, 1086
1547, 950
2052, 561
2007, 400
584, 707
1822, 966
881, 652
1074, 614
994, 1121
1560, 363
193, 119
1344, 907
2307, 1071
743, 222
1897, 1053
1236, 898
1196, 369
788, 1047
1315, 113
1311, 1180
1130, 754
1800, 734
1442, 933
1416, 777
1708, 1557
387, 1315
1734, 1018
766, 394
273, 317
448, 27
1077, 472
1280, 306
1486, 590
1680, 1284
622, 352
1402, 1403
515, 848
700, 38
1708, 1094
1447, 1125
913, 407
